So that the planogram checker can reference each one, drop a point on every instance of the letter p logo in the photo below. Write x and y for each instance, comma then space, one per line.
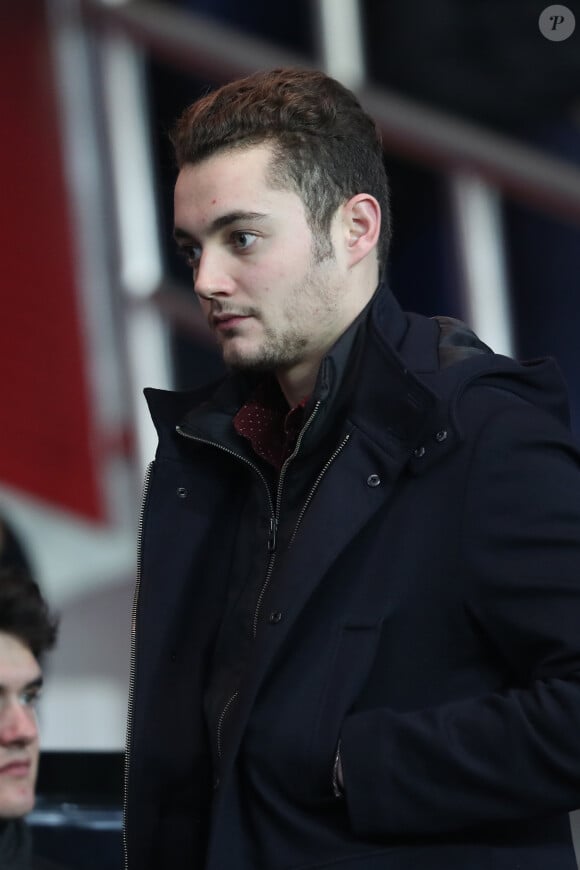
557, 23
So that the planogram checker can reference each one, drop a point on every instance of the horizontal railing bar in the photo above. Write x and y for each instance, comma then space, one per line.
442, 140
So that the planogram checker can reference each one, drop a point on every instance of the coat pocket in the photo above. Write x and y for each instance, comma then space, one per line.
354, 654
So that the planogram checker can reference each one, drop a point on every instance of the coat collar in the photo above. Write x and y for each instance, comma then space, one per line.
390, 400
391, 375
367, 377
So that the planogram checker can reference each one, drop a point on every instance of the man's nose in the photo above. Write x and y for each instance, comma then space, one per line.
17, 724
211, 276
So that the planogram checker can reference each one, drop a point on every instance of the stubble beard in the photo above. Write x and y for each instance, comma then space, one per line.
276, 350
284, 348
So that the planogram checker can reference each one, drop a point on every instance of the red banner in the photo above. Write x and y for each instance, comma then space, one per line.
46, 436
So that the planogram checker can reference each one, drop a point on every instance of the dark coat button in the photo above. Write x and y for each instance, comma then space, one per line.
419, 452
216, 783
373, 480
441, 436
182, 492
275, 617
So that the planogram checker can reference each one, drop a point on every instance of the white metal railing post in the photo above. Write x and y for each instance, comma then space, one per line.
480, 259
340, 41
81, 122
138, 246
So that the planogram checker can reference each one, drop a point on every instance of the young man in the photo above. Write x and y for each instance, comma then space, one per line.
26, 631
357, 619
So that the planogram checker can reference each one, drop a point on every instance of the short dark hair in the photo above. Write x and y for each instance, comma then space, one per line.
326, 147
24, 613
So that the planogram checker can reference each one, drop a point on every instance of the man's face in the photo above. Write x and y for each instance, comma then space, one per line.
270, 299
20, 681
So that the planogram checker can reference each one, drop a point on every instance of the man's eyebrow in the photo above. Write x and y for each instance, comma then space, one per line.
220, 222
35, 684
181, 235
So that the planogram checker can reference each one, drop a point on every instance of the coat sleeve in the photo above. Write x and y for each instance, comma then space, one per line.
513, 754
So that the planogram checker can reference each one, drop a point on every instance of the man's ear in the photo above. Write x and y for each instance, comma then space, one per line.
362, 225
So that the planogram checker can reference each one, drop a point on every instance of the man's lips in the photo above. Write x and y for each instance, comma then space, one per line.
226, 321
16, 768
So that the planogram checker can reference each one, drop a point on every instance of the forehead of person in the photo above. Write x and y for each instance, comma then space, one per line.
20, 681
240, 182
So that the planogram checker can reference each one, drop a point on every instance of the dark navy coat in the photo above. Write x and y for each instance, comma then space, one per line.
426, 614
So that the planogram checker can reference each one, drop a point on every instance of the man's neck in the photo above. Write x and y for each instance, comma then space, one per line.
298, 382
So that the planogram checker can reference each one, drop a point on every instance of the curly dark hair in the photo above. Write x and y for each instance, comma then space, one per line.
326, 147
24, 613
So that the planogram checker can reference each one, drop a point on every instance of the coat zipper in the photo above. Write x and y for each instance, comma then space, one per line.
268, 577
221, 722
133, 657
315, 486
185, 434
271, 550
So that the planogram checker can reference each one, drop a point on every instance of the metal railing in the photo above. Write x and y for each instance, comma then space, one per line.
196, 44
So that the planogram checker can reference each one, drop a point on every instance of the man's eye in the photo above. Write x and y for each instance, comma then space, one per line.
29, 699
191, 254
243, 240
